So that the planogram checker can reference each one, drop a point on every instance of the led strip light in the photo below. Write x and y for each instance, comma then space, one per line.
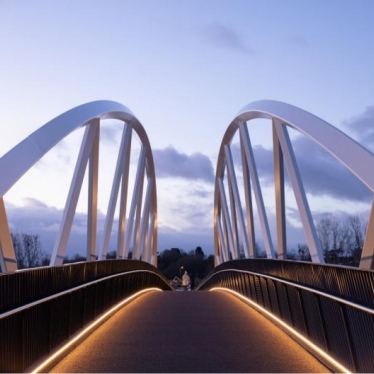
317, 292
315, 349
70, 344
70, 290
92, 325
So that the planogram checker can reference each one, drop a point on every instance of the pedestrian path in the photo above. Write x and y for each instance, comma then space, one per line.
173, 332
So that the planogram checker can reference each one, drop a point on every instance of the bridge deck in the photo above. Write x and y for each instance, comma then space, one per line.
188, 332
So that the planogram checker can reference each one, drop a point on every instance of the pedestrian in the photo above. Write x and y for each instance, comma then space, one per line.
185, 280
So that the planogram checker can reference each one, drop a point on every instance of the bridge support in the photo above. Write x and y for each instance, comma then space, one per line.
59, 249
311, 237
353, 156
367, 256
21, 158
8, 261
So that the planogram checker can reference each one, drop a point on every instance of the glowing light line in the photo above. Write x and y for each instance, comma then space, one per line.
89, 328
292, 331
299, 286
69, 291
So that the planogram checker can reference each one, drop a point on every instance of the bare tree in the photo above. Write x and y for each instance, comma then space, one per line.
260, 253
346, 238
358, 227
337, 237
303, 251
32, 250
18, 249
323, 228
28, 250
335, 233
358, 232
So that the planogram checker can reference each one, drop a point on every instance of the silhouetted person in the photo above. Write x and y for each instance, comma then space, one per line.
185, 280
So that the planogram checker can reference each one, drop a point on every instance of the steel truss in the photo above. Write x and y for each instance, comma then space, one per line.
138, 232
229, 218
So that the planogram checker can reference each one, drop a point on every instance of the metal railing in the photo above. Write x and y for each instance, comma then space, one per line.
23, 287
343, 281
33, 330
332, 319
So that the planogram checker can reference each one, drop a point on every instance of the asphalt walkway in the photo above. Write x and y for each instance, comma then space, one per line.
173, 332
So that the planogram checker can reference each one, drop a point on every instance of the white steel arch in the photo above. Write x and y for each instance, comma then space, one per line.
357, 159
143, 226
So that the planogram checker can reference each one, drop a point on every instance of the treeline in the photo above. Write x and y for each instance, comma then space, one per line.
28, 250
174, 262
30, 254
79, 258
341, 238
171, 262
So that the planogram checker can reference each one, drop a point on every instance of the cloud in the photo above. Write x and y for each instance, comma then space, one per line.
35, 217
186, 240
30, 202
192, 213
183, 205
362, 126
222, 36
111, 132
321, 174
324, 175
169, 163
59, 158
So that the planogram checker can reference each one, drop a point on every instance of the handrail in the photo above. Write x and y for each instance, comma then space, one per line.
338, 325
324, 294
26, 286
70, 290
33, 330
346, 282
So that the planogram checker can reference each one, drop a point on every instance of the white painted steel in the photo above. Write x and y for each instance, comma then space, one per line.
15, 163
233, 221
224, 250
138, 191
63, 234
351, 154
145, 219
123, 203
248, 205
8, 261
311, 237
139, 194
238, 211
250, 159
147, 247
120, 174
226, 222
152, 241
367, 256
93, 195
279, 197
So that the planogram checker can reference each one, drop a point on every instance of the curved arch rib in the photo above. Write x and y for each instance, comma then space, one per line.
14, 165
351, 154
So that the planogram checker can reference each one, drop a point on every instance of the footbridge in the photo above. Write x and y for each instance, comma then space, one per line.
249, 314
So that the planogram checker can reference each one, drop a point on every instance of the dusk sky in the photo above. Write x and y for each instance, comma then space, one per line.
184, 68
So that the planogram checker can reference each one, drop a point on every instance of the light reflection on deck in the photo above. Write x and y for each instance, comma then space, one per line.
188, 332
